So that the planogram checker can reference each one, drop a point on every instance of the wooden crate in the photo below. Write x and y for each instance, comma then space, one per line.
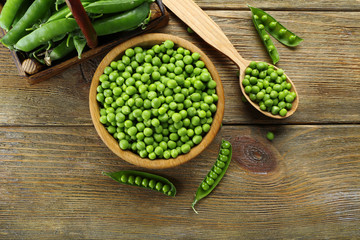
159, 18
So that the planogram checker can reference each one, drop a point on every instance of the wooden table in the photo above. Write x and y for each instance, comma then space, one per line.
51, 158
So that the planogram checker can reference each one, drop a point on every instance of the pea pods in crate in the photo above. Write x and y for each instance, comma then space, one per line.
158, 18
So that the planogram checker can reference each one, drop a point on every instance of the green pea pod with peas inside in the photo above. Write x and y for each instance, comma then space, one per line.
124, 21
273, 27
113, 6
46, 33
265, 38
8, 13
36, 11
216, 173
145, 180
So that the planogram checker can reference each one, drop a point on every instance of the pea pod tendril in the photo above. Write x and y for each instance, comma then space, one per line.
216, 173
145, 180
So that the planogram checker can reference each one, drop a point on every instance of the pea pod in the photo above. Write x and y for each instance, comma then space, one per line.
265, 38
63, 49
64, 12
21, 12
274, 28
123, 21
46, 33
36, 11
216, 173
145, 180
8, 13
113, 6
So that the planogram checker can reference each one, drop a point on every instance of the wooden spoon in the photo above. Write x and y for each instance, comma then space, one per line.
191, 14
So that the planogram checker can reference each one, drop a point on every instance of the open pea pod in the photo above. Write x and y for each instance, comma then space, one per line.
216, 173
145, 180
274, 28
265, 38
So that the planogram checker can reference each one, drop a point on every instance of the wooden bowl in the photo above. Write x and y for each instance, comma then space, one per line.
149, 40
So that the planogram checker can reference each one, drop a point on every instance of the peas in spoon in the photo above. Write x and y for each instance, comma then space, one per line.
191, 14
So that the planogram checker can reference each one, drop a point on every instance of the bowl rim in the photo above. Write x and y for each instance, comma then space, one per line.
144, 40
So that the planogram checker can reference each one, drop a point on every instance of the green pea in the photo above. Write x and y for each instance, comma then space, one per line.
159, 186
124, 178
220, 164
138, 180
213, 175
209, 181
185, 148
152, 183
266, 37
289, 98
217, 170
282, 32
166, 188
283, 112
131, 179
205, 186
272, 25
223, 158
174, 153
270, 135
145, 182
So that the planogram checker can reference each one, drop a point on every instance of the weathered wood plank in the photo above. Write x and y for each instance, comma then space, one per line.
319, 5
325, 69
51, 187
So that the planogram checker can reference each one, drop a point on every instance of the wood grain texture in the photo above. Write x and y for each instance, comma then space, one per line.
325, 66
290, 5
52, 188
51, 157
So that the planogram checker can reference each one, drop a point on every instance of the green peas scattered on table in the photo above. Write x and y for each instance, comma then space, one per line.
270, 90
155, 108
145, 180
270, 136
216, 173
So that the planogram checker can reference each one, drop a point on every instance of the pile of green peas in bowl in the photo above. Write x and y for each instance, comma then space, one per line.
158, 102
267, 86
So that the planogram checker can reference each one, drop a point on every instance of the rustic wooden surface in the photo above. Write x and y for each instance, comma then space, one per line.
51, 158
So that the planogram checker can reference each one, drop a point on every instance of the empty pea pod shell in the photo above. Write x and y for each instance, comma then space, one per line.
215, 175
145, 180
275, 29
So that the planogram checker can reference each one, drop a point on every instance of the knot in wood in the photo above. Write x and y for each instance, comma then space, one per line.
253, 156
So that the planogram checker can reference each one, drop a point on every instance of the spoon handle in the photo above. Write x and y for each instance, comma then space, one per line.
191, 14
